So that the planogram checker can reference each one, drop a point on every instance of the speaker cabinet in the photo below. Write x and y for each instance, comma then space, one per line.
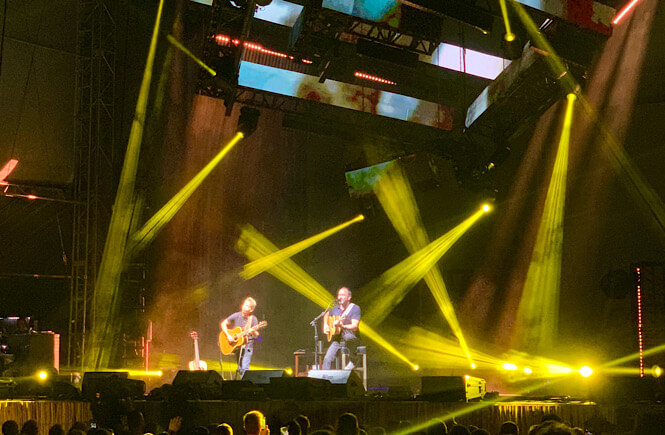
262, 376
298, 388
197, 377
452, 388
345, 383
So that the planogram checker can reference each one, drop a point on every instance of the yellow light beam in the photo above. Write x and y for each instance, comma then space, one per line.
191, 55
470, 408
633, 356
538, 311
154, 225
260, 265
104, 313
638, 186
254, 245
396, 197
389, 288
509, 36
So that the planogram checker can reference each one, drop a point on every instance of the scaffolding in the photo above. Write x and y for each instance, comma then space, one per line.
95, 161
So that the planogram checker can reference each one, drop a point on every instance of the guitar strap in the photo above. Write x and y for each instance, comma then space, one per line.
348, 309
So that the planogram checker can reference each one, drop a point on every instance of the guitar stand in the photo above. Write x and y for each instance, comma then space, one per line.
241, 354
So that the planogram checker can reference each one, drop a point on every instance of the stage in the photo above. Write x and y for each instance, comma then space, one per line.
370, 412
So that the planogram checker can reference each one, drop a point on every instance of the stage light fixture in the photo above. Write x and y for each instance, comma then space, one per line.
486, 207
527, 371
656, 371
42, 375
415, 367
586, 371
509, 366
248, 121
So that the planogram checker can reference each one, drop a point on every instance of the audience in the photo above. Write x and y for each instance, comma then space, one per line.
10, 427
347, 424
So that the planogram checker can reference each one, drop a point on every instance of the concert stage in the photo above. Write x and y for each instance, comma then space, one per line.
370, 412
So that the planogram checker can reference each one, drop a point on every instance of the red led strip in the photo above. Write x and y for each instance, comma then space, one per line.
624, 11
640, 341
225, 40
362, 75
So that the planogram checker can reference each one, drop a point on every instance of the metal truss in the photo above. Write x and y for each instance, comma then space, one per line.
94, 161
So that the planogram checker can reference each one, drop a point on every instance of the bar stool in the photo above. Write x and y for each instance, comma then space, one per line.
360, 351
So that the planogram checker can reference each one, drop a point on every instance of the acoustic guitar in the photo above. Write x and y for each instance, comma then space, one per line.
227, 347
332, 329
197, 364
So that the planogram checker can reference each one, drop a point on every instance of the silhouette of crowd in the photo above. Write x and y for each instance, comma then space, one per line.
255, 423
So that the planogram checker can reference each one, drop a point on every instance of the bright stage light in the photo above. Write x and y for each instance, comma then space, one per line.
527, 371
486, 207
415, 367
656, 371
509, 366
43, 375
289, 371
473, 365
256, 267
538, 311
254, 245
509, 37
586, 371
555, 369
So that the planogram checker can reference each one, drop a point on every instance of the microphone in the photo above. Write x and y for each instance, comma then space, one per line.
335, 302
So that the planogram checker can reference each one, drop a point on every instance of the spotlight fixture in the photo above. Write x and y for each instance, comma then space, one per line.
415, 367
248, 121
656, 371
586, 371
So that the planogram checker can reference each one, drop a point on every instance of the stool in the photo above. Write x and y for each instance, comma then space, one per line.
344, 352
362, 350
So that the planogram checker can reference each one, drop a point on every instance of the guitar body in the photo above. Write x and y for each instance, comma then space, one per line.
227, 347
332, 329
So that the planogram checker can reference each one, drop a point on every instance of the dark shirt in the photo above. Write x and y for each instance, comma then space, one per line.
236, 319
354, 313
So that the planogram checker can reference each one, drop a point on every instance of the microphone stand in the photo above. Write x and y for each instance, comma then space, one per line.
314, 323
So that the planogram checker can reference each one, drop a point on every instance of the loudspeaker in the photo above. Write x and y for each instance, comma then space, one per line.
197, 377
94, 382
242, 390
298, 388
345, 383
262, 376
443, 388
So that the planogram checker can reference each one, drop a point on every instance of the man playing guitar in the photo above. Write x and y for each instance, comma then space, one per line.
245, 320
341, 326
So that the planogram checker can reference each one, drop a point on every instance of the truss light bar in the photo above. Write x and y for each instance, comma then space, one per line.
362, 75
225, 40
622, 13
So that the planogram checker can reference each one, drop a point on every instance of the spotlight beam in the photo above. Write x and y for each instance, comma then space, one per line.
105, 307
389, 288
538, 310
637, 185
396, 197
191, 55
260, 265
254, 245
509, 36
143, 237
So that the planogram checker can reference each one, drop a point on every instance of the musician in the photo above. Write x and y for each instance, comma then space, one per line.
349, 319
244, 319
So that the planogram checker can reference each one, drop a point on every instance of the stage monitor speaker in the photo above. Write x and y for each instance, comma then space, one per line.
298, 388
345, 383
443, 388
94, 382
197, 377
242, 390
262, 376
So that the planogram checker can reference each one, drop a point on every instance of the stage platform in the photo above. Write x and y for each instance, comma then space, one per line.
370, 412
